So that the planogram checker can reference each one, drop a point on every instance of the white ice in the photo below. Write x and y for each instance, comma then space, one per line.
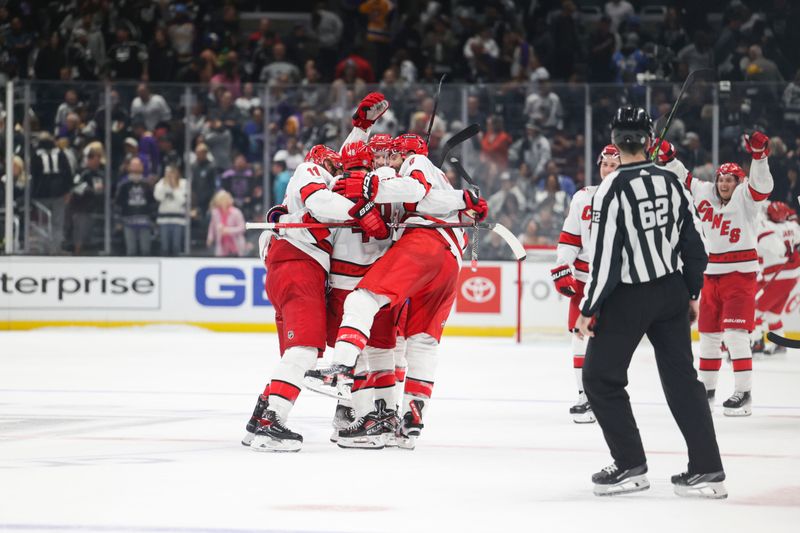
137, 430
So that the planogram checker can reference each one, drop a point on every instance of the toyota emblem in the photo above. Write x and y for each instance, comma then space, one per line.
478, 289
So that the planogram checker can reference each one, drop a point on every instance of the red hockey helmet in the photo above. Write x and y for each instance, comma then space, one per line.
779, 212
731, 168
381, 142
320, 153
410, 142
356, 155
610, 151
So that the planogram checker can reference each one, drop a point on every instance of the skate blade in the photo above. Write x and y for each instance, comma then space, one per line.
370, 443
584, 418
266, 444
248, 439
326, 390
632, 484
390, 441
714, 491
741, 411
404, 443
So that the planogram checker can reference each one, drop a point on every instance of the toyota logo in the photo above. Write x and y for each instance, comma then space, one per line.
478, 289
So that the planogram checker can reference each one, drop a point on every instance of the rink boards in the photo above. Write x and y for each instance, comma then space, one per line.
228, 295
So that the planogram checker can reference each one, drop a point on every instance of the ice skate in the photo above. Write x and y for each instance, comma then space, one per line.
343, 417
611, 481
700, 485
256, 420
391, 425
774, 350
334, 381
275, 437
582, 412
365, 432
410, 426
740, 404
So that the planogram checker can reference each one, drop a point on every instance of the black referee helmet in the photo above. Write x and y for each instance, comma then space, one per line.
631, 126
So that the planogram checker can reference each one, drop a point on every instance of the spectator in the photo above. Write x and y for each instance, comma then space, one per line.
86, 198
495, 143
280, 179
533, 149
698, 54
554, 199
181, 32
629, 61
169, 156
229, 77
508, 187
544, 107
80, 58
20, 182
378, 14
226, 230
292, 154
51, 175
136, 204
204, 178
439, 47
69, 105
791, 101
149, 108
693, 155
170, 193
279, 66
19, 43
758, 68
328, 27
481, 52
617, 12
50, 59
602, 44
353, 67
248, 100
240, 183
162, 62
566, 43
779, 165
565, 183
127, 58
219, 141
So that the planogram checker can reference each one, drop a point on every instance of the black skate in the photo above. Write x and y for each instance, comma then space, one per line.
410, 426
582, 412
700, 485
343, 417
740, 404
275, 437
710, 394
611, 480
256, 421
391, 425
365, 432
334, 381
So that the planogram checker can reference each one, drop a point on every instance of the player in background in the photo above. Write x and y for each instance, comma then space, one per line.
729, 210
422, 266
297, 271
779, 236
572, 272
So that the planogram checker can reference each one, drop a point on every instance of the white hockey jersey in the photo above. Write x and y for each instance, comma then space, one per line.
574, 243
432, 210
777, 254
731, 230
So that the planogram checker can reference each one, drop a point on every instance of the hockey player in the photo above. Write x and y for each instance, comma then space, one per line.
297, 272
381, 145
422, 266
778, 239
572, 271
729, 210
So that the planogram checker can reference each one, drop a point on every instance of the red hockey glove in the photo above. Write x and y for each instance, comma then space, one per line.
476, 207
369, 110
357, 184
564, 280
369, 218
757, 144
275, 213
666, 151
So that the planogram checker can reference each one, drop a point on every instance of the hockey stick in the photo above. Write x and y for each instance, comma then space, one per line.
689, 80
783, 341
456, 164
463, 135
435, 107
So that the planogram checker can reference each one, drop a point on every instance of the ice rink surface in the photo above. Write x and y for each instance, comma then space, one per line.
137, 430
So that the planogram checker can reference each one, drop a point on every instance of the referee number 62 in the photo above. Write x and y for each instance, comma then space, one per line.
653, 213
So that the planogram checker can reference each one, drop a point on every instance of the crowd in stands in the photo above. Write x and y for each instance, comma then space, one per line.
193, 93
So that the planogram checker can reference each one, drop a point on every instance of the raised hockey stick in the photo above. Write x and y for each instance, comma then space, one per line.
686, 84
463, 135
783, 341
435, 107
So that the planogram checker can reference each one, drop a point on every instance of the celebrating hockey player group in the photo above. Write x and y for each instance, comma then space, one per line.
349, 287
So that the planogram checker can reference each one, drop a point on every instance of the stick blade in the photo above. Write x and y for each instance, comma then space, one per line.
516, 247
783, 341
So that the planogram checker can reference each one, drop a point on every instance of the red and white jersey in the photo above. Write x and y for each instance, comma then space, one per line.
575, 242
777, 253
431, 210
731, 230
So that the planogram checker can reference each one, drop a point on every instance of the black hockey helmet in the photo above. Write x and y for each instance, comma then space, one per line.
631, 125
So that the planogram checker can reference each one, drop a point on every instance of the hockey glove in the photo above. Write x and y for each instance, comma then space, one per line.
357, 184
476, 207
757, 144
564, 280
666, 151
369, 110
369, 219
275, 213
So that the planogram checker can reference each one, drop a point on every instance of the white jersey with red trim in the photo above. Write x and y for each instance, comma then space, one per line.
731, 229
432, 178
777, 249
574, 244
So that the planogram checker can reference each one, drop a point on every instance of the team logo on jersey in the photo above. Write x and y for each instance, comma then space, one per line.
479, 292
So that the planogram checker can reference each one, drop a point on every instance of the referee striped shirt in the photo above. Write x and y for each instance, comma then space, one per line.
644, 227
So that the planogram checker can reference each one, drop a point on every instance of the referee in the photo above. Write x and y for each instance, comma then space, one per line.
646, 276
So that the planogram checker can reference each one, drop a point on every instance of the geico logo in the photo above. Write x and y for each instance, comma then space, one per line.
227, 286
63, 286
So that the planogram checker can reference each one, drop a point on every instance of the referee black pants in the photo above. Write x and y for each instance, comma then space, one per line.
658, 309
